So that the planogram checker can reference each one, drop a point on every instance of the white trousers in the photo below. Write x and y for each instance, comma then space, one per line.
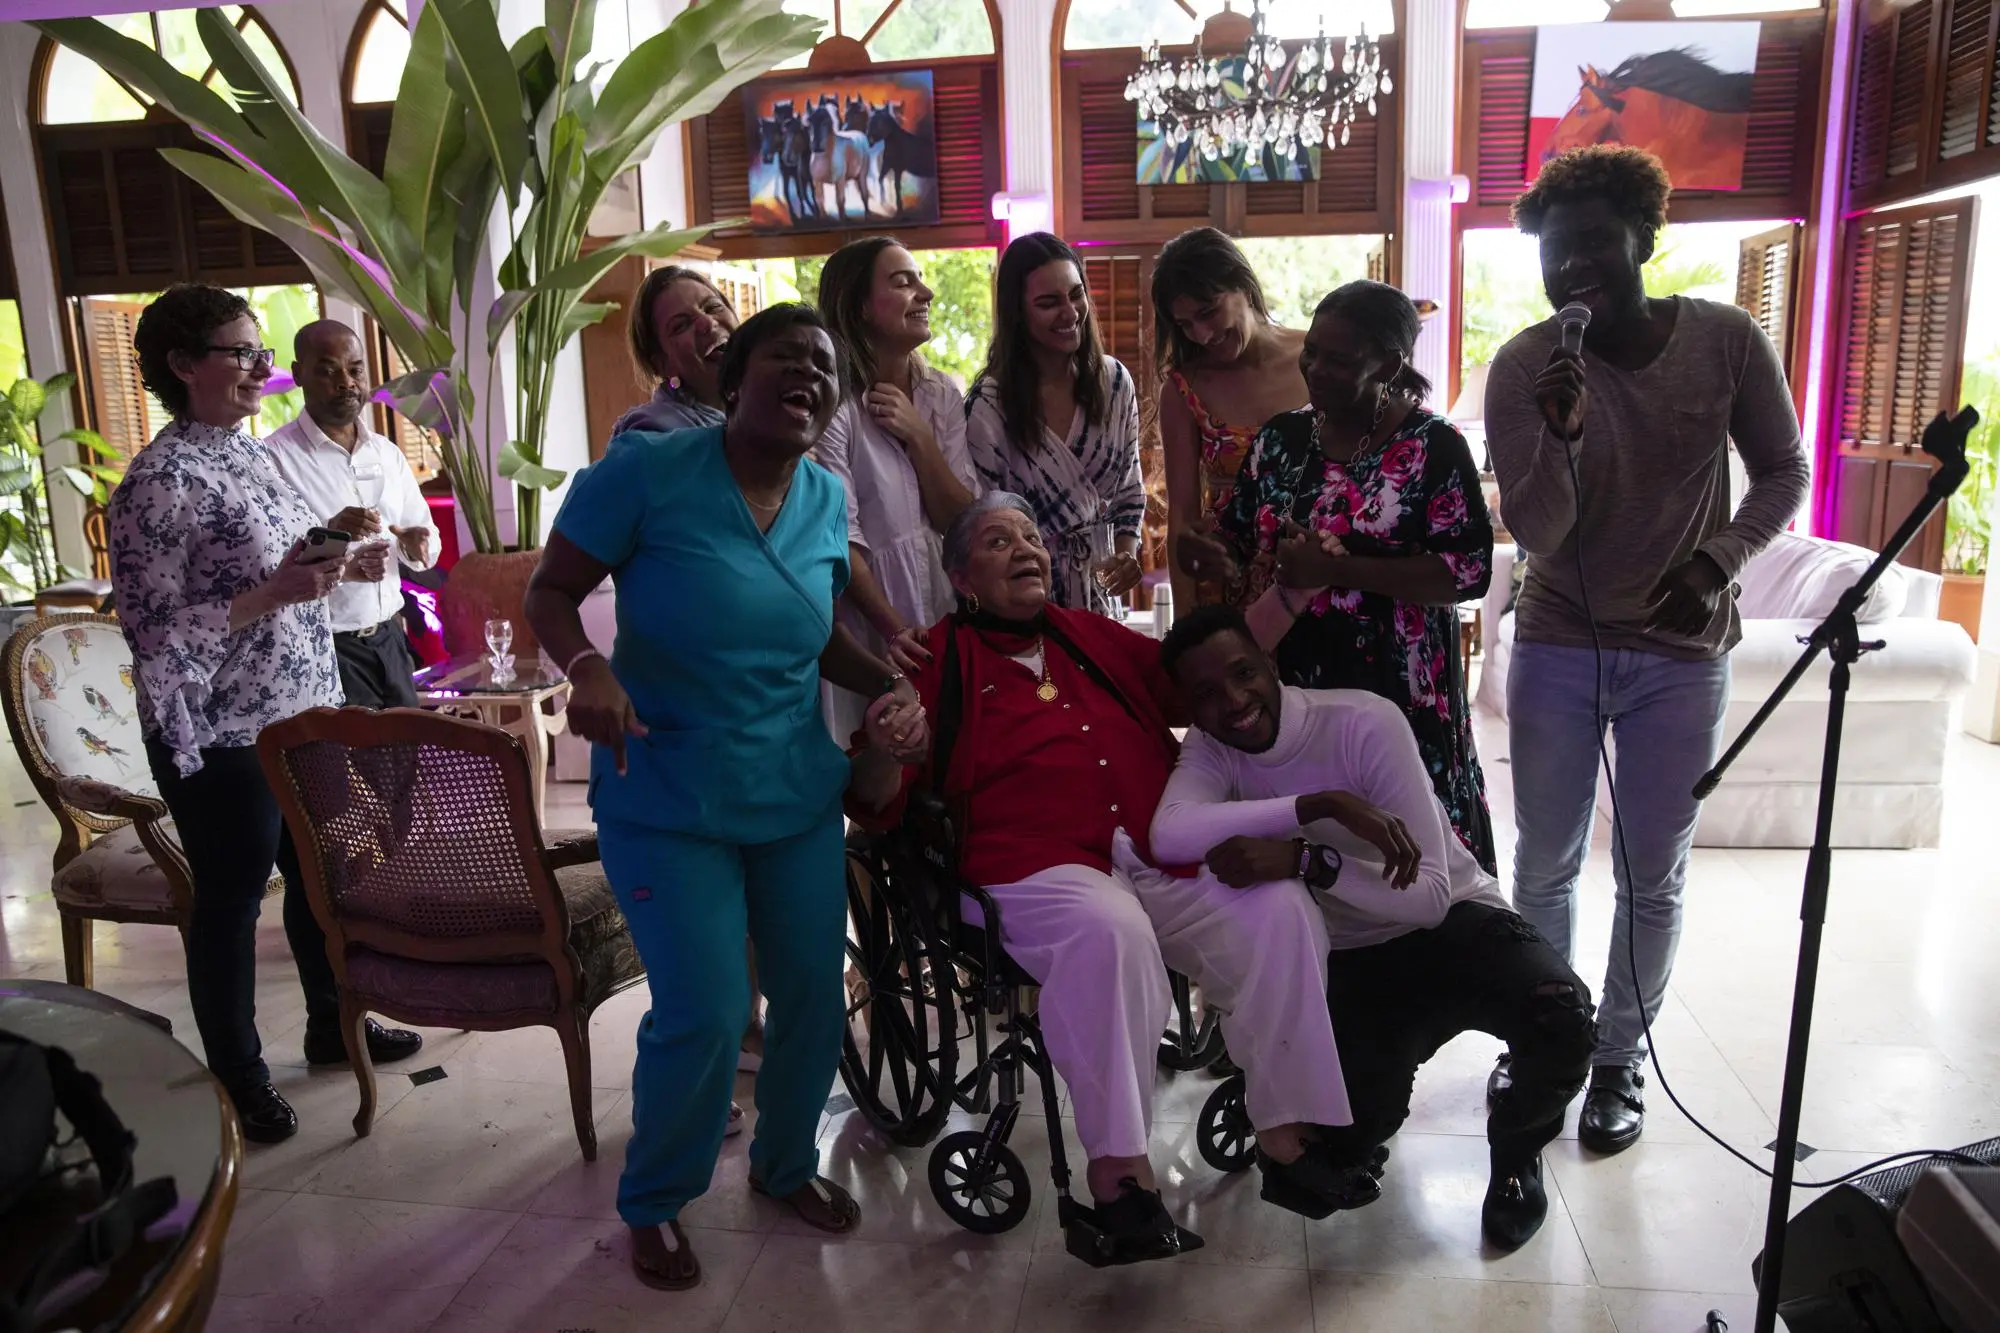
1100, 945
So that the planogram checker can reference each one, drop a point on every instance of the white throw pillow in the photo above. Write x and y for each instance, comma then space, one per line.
1800, 578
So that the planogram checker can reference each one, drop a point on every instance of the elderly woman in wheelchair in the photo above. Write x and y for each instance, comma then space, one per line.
1051, 749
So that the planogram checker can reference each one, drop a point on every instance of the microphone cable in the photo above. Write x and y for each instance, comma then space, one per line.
1631, 889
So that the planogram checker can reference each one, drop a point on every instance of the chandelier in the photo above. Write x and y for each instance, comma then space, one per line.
1263, 98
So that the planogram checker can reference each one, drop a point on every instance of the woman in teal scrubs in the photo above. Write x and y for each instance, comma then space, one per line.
716, 787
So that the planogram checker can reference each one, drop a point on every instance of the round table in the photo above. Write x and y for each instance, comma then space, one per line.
185, 1129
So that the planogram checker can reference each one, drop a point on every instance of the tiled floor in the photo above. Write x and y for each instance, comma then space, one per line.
469, 1207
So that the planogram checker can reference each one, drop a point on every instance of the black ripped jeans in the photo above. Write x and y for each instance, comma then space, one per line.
1481, 969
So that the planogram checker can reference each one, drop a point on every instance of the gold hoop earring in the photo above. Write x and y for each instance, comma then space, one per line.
972, 603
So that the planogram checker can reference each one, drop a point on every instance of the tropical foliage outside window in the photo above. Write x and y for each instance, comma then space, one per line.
1514, 14
903, 29
80, 93
1175, 22
961, 315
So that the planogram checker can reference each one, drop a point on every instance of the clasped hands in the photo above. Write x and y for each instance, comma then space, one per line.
1304, 559
1243, 862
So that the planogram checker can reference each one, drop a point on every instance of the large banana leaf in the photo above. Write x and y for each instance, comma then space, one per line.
482, 74
426, 136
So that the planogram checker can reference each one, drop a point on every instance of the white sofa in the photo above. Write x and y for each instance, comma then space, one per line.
1901, 708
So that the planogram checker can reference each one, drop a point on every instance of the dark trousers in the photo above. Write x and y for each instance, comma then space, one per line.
232, 832
1481, 969
376, 670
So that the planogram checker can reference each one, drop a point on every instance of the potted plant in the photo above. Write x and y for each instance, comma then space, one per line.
1968, 527
28, 561
536, 126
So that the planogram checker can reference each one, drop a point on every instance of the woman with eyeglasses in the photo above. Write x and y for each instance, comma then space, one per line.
226, 617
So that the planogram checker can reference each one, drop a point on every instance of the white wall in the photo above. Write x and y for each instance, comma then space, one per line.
1428, 87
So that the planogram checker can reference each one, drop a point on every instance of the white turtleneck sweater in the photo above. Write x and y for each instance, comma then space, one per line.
1328, 740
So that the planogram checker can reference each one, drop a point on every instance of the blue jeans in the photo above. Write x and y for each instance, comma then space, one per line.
1666, 717
689, 902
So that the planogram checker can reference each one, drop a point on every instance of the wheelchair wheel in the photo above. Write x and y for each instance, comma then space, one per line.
1195, 1040
1224, 1134
899, 1053
983, 1189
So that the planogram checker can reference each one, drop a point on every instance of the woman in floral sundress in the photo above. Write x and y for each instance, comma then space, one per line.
1376, 500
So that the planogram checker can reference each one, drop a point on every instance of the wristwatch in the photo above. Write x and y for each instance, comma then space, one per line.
1319, 866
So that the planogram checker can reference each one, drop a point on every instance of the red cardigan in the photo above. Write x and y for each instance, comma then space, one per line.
1035, 783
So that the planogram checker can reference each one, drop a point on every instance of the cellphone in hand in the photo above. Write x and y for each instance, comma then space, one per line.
324, 544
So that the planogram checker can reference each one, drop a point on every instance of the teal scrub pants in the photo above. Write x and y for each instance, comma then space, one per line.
689, 902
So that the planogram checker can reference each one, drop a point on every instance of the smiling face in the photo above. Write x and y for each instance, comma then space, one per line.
1343, 370
333, 376
221, 392
1232, 691
1008, 569
1591, 254
1221, 325
1055, 305
693, 324
789, 389
898, 311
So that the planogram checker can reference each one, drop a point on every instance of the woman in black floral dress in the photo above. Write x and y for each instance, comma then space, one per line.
1389, 496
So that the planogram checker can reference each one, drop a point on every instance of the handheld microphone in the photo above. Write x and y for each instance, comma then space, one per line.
1574, 318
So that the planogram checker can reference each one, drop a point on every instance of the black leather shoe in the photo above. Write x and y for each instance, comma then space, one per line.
1614, 1112
1313, 1187
385, 1045
1501, 1079
1516, 1204
1133, 1228
266, 1116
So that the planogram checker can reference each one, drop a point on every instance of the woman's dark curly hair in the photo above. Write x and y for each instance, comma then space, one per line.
1631, 180
182, 319
1387, 318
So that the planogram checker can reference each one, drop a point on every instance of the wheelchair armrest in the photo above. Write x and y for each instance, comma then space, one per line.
569, 847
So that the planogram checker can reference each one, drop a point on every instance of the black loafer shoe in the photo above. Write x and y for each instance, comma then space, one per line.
1614, 1112
1516, 1204
1313, 1187
266, 1116
1501, 1079
385, 1045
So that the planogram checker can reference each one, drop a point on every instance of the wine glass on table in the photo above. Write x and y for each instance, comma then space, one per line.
499, 640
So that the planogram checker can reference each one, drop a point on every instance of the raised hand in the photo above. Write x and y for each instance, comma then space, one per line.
1203, 555
894, 412
1562, 393
356, 522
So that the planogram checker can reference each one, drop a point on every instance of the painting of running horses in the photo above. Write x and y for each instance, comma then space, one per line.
1681, 91
841, 150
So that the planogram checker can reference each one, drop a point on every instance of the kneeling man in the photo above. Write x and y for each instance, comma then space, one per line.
1052, 742
1281, 782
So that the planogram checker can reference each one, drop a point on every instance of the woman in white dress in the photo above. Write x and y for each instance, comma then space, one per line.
1054, 420
898, 444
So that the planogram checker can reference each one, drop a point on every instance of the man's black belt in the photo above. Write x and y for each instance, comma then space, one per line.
370, 631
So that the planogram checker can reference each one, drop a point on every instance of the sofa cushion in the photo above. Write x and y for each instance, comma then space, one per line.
1921, 660
1800, 578
115, 872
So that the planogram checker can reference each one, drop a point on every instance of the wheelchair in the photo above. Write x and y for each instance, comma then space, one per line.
922, 984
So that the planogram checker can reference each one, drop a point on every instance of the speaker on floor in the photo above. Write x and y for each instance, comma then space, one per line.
1845, 1270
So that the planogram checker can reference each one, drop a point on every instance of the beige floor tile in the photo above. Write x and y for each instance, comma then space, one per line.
892, 1184
1677, 1311
1381, 1303
471, 1143
1170, 1296
1664, 1216
1878, 1099
325, 1101
353, 1263
1426, 1223
565, 1273
843, 1285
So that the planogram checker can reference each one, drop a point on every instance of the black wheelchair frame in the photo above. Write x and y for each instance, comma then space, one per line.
919, 969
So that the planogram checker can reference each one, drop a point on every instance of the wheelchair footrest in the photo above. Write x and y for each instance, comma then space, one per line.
1084, 1238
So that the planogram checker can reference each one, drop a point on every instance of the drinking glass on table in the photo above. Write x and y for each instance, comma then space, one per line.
499, 639
1103, 560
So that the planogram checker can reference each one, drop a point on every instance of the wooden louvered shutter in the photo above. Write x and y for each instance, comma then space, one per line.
120, 408
1499, 70
1908, 273
1107, 144
1909, 89
1766, 281
1121, 302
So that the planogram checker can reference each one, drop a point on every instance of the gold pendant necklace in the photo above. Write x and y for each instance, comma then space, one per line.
1046, 691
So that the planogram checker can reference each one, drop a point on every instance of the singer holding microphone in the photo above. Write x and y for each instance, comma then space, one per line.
1610, 427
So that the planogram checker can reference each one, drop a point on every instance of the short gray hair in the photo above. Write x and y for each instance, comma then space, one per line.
958, 537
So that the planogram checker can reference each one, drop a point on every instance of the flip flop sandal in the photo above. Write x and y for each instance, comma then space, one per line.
674, 1270
841, 1213
736, 1120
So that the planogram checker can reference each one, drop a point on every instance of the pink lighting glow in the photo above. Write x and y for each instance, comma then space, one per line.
1823, 452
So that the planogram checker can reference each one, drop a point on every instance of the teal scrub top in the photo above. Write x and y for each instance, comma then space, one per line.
720, 630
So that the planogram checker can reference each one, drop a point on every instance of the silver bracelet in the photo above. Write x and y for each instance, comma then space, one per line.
569, 667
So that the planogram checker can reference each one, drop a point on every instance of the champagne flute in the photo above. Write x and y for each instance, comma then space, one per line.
499, 638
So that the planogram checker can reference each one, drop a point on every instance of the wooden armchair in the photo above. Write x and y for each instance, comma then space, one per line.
443, 903
74, 717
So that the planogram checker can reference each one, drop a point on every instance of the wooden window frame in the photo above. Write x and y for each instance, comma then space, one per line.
1921, 67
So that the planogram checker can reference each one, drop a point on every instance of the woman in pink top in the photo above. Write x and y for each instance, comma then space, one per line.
1228, 369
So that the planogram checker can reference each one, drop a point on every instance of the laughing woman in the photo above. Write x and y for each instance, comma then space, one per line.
679, 330
1054, 420
716, 788
898, 445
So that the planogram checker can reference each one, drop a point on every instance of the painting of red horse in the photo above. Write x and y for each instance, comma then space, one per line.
1680, 103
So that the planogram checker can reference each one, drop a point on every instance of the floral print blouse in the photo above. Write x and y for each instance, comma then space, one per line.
201, 516
1085, 487
1416, 494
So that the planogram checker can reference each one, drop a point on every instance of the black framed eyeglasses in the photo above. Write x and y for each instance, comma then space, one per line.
248, 358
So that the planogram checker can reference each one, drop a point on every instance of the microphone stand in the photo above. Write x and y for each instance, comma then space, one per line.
1839, 635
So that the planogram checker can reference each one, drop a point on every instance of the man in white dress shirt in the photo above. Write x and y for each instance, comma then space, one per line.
362, 485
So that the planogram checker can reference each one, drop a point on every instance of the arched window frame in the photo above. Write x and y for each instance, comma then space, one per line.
840, 34
45, 54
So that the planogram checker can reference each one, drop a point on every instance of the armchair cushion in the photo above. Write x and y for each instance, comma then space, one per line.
81, 704
103, 798
115, 872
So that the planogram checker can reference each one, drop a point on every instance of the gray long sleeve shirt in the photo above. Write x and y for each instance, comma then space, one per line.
1654, 465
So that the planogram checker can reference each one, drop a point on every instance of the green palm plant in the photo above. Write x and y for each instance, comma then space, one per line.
536, 126
27, 554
